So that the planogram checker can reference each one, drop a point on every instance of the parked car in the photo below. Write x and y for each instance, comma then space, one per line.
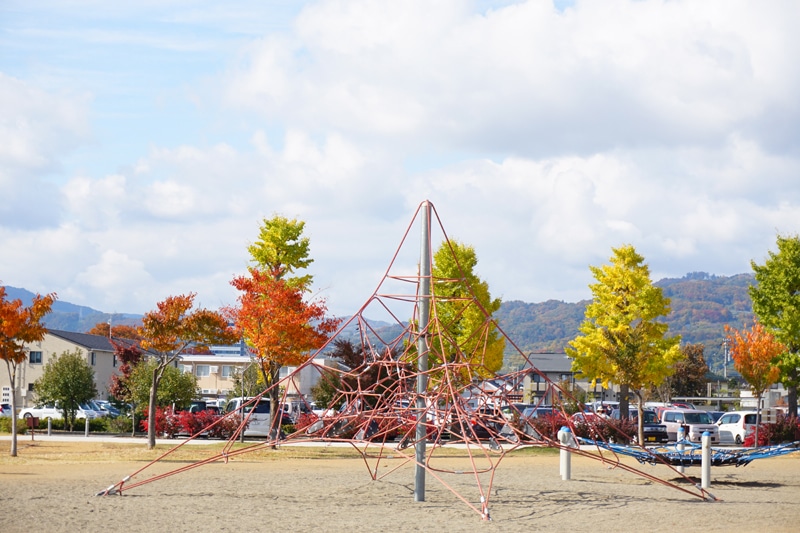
515, 410
735, 426
53, 411
484, 423
5, 409
109, 409
536, 412
258, 415
653, 429
694, 422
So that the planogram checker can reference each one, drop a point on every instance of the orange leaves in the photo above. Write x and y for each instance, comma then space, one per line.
172, 327
754, 352
276, 321
19, 324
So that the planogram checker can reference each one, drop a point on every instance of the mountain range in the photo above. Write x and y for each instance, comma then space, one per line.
701, 305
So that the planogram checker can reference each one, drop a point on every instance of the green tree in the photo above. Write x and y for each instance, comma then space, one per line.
247, 381
621, 339
463, 307
168, 331
327, 391
67, 380
20, 325
175, 387
776, 303
281, 250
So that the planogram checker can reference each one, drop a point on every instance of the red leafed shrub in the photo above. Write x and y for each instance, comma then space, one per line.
167, 422
194, 423
171, 424
304, 420
786, 429
548, 425
225, 428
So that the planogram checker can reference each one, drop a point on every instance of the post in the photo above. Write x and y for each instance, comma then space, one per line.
681, 447
565, 466
49, 426
423, 303
86, 430
705, 480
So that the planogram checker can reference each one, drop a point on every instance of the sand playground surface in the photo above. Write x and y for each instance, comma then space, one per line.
52, 486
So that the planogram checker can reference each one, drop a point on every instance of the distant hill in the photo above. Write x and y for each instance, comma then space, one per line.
702, 304
70, 317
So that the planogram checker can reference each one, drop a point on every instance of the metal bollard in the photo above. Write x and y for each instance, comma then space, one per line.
565, 466
49, 426
681, 447
705, 479
86, 431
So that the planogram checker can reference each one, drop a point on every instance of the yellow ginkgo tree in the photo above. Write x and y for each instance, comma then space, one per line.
621, 339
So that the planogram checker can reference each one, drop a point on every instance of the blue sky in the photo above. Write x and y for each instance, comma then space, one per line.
142, 145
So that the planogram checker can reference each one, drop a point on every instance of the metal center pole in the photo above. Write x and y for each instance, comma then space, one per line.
424, 305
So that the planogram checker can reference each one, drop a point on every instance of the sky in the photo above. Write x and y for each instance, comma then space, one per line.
143, 144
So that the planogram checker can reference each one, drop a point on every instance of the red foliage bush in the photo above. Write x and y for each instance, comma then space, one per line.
304, 420
167, 423
786, 429
170, 424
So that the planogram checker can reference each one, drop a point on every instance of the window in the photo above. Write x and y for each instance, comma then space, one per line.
227, 370
36, 358
203, 371
93, 357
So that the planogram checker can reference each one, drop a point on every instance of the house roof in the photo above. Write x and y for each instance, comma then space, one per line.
92, 342
551, 362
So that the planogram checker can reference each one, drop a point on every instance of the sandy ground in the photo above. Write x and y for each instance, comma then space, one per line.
52, 486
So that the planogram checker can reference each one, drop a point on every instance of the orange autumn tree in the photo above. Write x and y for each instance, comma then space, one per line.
121, 331
754, 353
278, 324
168, 331
18, 326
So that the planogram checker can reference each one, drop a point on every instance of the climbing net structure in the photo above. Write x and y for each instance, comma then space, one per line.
417, 384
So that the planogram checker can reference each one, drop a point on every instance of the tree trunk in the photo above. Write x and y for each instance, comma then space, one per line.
791, 398
624, 410
275, 401
12, 379
151, 410
640, 411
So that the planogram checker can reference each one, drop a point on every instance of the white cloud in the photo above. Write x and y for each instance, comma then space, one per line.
544, 137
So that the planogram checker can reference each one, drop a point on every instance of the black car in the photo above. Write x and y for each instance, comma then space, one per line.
654, 430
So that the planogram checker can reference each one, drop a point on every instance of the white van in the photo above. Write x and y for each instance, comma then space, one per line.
257, 414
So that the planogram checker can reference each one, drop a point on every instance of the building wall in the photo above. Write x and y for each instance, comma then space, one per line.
215, 381
28, 373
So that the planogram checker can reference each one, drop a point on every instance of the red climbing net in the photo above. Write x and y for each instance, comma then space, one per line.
377, 405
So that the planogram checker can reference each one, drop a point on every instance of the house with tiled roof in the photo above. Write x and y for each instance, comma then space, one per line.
97, 349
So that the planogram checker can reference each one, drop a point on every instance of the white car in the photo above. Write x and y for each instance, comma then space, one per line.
53, 411
734, 427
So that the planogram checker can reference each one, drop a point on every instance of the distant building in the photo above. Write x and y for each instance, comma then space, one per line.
97, 349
